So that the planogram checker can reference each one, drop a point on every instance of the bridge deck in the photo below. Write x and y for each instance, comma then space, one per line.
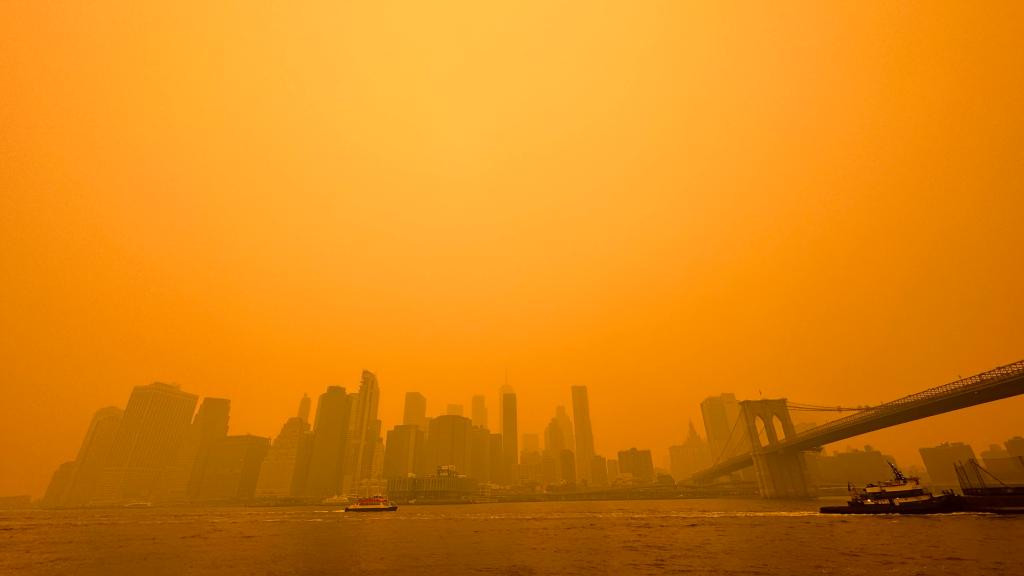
995, 384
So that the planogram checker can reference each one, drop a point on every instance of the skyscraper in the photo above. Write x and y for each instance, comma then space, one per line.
330, 433
584, 433
405, 448
509, 435
479, 411
726, 436
415, 413
93, 456
365, 430
209, 426
154, 426
689, 457
449, 443
565, 424
288, 458
454, 410
232, 467
638, 463
940, 461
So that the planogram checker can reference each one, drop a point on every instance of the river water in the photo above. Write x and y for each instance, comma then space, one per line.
625, 537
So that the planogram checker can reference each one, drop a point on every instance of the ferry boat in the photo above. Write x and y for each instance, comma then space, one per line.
901, 495
372, 504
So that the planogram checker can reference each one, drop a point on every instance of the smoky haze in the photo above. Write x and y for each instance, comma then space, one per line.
660, 205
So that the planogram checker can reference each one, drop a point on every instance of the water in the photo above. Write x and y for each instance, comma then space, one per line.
637, 537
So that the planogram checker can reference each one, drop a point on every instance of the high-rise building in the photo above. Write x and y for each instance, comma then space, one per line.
689, 457
405, 447
637, 463
154, 426
613, 470
1003, 467
449, 443
330, 435
584, 433
304, 406
565, 424
1015, 446
454, 410
282, 472
480, 454
209, 426
415, 410
60, 484
365, 431
940, 461
93, 456
509, 436
479, 412
598, 471
232, 468
726, 435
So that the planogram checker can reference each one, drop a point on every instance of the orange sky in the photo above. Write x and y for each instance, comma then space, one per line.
660, 200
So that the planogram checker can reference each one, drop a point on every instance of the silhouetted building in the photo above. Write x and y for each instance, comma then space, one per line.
639, 464
599, 471
404, 451
1015, 446
448, 442
584, 433
613, 470
479, 408
857, 466
93, 456
445, 484
454, 410
1002, 467
554, 445
509, 435
330, 435
233, 468
153, 428
480, 454
565, 425
60, 484
283, 471
689, 457
496, 460
364, 433
725, 436
415, 413
940, 460
209, 426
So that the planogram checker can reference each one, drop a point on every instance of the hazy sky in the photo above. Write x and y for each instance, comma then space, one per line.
659, 200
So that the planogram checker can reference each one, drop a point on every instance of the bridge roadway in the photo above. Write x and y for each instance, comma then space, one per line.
995, 384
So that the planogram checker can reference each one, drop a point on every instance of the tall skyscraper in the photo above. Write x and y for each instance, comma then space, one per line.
726, 436
689, 457
940, 461
365, 431
449, 443
479, 411
281, 474
638, 463
509, 435
209, 426
154, 426
565, 424
232, 467
93, 456
404, 450
415, 410
584, 433
304, 406
330, 435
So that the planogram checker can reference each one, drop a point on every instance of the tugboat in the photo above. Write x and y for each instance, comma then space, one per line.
372, 504
901, 495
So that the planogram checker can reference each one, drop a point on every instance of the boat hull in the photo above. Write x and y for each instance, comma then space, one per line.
936, 505
374, 509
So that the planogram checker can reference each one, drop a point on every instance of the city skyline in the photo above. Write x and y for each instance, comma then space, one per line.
288, 465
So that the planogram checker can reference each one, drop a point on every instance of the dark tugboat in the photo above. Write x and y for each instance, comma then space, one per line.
901, 495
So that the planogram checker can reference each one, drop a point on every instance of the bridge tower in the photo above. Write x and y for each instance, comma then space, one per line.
780, 473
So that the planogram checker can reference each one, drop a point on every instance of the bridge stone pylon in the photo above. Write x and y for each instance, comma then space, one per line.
780, 473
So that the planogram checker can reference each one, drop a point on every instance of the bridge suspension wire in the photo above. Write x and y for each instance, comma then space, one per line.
726, 446
822, 408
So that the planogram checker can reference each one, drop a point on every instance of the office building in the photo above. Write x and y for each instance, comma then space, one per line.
330, 436
584, 434
415, 413
479, 412
940, 460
